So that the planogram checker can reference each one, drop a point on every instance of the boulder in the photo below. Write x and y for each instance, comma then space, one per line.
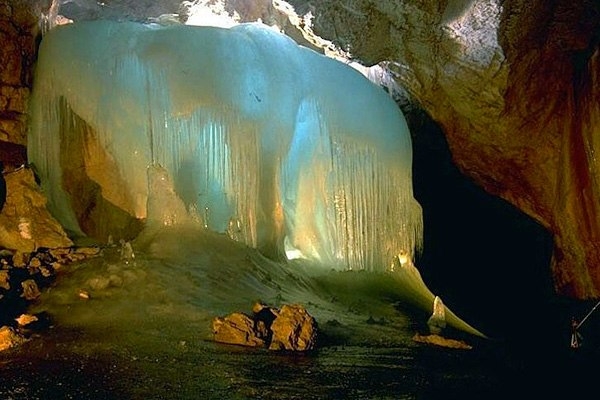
237, 328
293, 329
289, 328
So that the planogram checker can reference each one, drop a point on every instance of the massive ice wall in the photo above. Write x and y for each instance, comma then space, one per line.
277, 145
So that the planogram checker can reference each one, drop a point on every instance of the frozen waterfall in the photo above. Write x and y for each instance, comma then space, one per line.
281, 148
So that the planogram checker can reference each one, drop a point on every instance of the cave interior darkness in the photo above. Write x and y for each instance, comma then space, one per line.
488, 261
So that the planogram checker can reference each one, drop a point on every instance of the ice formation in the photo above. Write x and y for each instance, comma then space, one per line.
274, 144
437, 321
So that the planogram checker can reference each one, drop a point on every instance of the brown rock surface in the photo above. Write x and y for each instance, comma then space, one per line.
236, 328
9, 338
293, 329
289, 328
441, 341
30, 289
19, 27
25, 223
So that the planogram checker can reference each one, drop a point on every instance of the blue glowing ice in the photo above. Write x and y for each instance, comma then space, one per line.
280, 147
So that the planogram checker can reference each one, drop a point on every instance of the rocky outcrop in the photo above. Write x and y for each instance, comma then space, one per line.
25, 223
238, 328
514, 84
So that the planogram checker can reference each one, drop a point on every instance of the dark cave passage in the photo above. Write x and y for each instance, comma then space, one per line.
488, 261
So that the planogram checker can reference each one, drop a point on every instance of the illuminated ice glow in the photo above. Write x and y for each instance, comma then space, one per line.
274, 144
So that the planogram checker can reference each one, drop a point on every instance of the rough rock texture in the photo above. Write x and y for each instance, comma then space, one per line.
236, 328
23, 276
25, 223
514, 84
293, 329
19, 27
289, 328
9, 338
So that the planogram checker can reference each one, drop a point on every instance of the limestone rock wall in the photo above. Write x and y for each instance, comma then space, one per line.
19, 27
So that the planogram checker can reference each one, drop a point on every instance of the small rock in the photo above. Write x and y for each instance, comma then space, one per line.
4, 280
30, 289
45, 271
35, 262
84, 294
26, 319
20, 259
9, 338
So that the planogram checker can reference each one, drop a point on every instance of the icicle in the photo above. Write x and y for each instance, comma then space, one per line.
437, 321
277, 146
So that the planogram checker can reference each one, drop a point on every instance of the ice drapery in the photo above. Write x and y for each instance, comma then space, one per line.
273, 143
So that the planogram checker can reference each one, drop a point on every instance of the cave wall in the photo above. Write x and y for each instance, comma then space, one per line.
514, 84
558, 112
19, 29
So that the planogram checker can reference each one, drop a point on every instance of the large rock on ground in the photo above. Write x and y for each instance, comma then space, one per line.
236, 328
293, 329
290, 328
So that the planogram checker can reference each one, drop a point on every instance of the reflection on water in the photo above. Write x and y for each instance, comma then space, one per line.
144, 333
73, 365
